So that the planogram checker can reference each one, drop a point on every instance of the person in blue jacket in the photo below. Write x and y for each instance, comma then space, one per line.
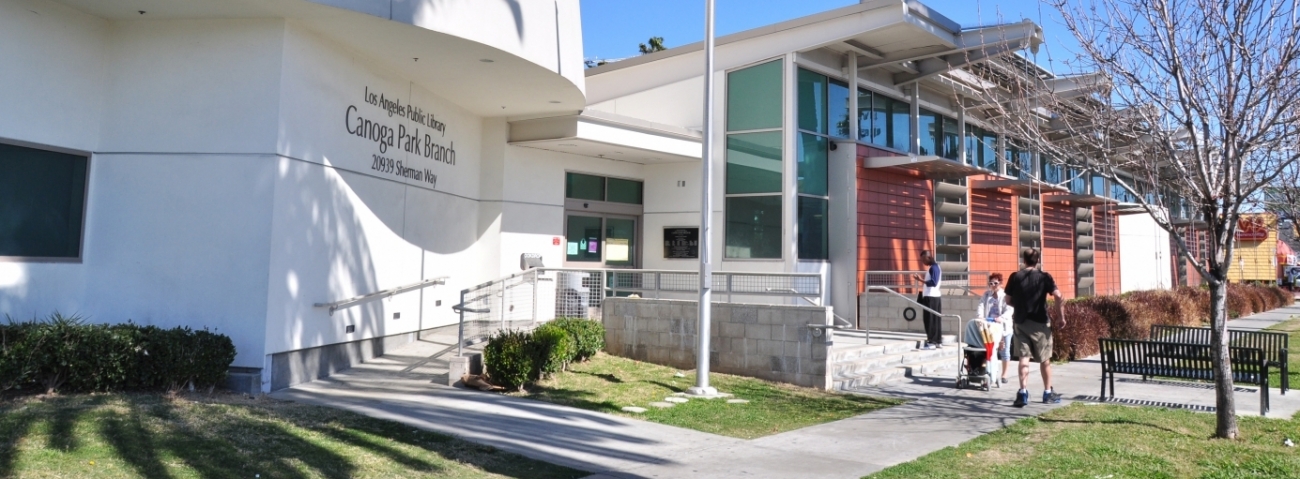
931, 298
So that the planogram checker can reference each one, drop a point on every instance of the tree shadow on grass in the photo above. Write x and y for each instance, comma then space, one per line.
361, 432
570, 397
66, 415
13, 426
1116, 421
609, 378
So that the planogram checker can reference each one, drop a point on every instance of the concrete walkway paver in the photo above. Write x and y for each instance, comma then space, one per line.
400, 387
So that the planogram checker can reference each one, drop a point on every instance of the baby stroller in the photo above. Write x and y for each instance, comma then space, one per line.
974, 368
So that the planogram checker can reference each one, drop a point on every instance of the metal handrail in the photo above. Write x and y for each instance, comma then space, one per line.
815, 303
653, 284
381, 294
961, 342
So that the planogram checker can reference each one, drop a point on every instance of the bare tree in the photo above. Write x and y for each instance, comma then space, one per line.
1189, 110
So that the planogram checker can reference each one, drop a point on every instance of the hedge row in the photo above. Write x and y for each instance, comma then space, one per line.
1131, 315
514, 358
62, 353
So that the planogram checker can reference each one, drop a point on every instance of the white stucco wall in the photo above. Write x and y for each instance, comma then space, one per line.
1144, 254
228, 188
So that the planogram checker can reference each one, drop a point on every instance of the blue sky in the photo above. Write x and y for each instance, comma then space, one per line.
613, 28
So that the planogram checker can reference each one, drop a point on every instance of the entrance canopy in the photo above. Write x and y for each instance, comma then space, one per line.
606, 135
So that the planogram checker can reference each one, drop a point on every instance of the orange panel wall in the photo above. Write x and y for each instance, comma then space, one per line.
895, 218
1106, 258
1058, 246
993, 230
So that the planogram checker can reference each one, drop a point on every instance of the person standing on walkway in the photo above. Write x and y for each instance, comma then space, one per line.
993, 308
1027, 292
930, 298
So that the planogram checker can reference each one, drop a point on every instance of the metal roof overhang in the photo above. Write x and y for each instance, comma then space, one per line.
1125, 209
606, 135
930, 166
1019, 187
1077, 200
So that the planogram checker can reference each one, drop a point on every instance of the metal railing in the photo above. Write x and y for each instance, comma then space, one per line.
335, 306
961, 342
964, 282
527, 299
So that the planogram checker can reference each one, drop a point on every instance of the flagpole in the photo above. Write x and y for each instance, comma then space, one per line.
702, 387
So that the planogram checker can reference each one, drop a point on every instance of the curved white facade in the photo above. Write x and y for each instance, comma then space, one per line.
251, 159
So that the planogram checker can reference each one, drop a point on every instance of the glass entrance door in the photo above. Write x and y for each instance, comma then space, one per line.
600, 240
620, 242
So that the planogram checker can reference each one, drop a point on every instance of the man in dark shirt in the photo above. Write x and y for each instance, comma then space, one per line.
1027, 292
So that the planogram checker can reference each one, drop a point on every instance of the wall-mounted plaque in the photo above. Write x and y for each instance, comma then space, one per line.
682, 243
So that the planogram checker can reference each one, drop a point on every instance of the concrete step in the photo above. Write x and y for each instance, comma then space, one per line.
876, 348
871, 363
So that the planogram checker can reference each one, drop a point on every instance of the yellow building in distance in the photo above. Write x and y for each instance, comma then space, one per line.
1254, 256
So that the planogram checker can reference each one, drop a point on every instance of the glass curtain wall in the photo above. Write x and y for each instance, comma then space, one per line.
981, 147
883, 121
823, 107
753, 162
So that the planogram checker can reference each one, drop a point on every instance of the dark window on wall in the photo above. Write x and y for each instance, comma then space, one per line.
837, 93
1099, 186
42, 203
625, 191
813, 241
753, 227
754, 162
580, 186
584, 187
883, 121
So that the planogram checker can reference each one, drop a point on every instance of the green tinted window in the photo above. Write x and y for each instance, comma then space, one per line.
754, 163
583, 237
753, 227
812, 164
812, 101
754, 97
813, 237
42, 201
625, 191
584, 187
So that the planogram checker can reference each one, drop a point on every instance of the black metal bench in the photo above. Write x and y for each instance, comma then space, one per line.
1182, 361
1274, 344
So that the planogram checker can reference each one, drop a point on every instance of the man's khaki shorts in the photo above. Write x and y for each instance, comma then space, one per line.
1032, 340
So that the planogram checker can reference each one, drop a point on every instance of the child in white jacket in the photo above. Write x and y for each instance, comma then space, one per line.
994, 309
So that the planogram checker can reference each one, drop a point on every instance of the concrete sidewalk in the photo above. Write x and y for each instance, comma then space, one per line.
400, 387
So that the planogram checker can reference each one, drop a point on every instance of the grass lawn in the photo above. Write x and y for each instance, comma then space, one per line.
1110, 441
608, 383
1292, 354
227, 435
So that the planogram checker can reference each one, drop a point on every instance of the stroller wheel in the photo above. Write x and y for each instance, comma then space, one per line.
961, 383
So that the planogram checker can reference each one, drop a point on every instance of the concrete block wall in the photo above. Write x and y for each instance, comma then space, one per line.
884, 312
764, 341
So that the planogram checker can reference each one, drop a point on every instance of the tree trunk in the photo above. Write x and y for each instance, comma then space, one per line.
1224, 402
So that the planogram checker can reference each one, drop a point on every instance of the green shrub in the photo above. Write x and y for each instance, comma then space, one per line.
588, 336
62, 353
17, 354
552, 348
508, 358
